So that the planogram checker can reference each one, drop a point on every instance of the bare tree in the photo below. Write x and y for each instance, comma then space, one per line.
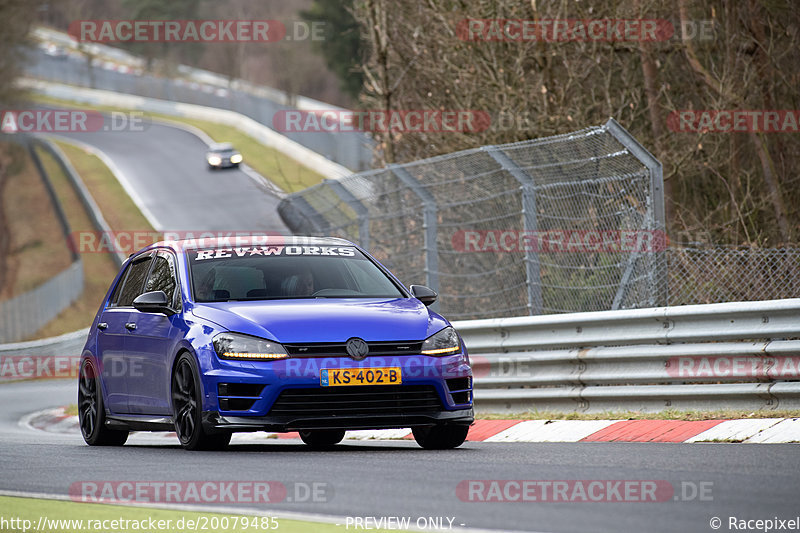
732, 187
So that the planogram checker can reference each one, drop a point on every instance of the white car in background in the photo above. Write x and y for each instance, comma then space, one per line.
222, 155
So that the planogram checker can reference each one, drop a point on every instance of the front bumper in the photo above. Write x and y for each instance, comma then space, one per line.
214, 422
287, 395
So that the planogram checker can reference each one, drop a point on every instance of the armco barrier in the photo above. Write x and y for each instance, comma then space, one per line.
24, 315
69, 344
741, 355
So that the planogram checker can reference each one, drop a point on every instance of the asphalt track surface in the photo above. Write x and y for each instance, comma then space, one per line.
166, 169
397, 478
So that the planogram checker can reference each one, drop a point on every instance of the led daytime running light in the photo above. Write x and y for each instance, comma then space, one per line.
248, 355
441, 350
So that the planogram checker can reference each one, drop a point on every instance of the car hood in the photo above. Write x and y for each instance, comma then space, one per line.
326, 320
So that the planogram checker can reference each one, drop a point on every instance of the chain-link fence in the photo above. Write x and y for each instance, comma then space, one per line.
727, 274
573, 222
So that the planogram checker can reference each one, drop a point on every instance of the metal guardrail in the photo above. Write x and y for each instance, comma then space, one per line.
25, 314
67, 345
741, 355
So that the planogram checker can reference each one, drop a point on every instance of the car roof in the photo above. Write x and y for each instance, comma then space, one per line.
248, 240
218, 147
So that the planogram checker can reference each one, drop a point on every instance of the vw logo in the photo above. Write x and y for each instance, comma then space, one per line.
357, 349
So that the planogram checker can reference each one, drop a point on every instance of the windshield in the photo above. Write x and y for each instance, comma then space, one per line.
286, 272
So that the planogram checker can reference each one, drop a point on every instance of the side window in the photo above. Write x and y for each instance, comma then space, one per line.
163, 278
118, 289
134, 281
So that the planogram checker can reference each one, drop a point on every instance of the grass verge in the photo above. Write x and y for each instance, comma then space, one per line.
283, 171
99, 517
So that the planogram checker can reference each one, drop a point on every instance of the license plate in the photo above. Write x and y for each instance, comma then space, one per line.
339, 377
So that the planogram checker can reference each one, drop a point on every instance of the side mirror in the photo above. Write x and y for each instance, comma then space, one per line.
153, 302
424, 294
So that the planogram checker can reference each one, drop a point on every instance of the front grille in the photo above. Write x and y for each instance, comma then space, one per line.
357, 401
339, 349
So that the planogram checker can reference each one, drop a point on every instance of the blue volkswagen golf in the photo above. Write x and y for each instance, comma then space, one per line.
206, 338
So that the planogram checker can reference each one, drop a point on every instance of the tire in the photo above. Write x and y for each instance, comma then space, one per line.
92, 412
187, 402
440, 437
322, 439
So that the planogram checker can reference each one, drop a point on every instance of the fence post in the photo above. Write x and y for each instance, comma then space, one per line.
430, 225
361, 211
656, 210
533, 272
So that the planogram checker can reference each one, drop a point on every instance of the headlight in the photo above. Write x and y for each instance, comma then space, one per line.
214, 160
245, 347
443, 343
236, 158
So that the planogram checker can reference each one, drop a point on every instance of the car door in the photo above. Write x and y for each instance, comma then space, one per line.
149, 343
113, 328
